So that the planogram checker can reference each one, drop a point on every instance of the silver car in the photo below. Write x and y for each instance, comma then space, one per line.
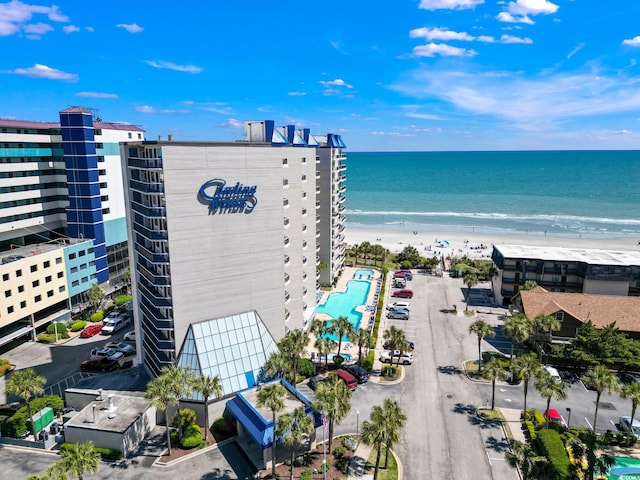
398, 314
627, 425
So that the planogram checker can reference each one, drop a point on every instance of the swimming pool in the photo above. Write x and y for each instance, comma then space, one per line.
364, 273
343, 304
625, 468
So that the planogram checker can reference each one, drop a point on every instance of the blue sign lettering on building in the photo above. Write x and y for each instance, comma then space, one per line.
222, 199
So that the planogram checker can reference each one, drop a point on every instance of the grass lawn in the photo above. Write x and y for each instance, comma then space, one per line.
390, 473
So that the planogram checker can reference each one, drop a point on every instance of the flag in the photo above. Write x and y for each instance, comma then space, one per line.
324, 422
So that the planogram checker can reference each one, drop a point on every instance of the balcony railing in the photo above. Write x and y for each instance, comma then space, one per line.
157, 212
146, 187
146, 163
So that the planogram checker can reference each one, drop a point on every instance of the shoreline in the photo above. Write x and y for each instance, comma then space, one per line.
477, 244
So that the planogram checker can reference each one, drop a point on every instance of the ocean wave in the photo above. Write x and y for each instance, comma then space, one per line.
500, 216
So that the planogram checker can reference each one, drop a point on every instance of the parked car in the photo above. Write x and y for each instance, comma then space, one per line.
551, 371
554, 416
123, 347
399, 274
404, 293
315, 381
399, 283
407, 274
114, 322
405, 358
361, 375
108, 353
399, 306
410, 345
130, 336
349, 380
91, 330
398, 314
627, 425
104, 365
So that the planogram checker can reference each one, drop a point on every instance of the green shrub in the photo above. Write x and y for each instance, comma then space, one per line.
188, 417
325, 467
306, 474
342, 463
224, 425
191, 437
60, 327
51, 337
537, 417
367, 362
531, 430
37, 404
338, 360
305, 367
550, 444
390, 370
79, 325
98, 316
349, 443
121, 300
15, 425
105, 453
338, 452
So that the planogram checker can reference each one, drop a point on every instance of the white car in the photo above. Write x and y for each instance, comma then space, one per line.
108, 353
405, 358
551, 371
114, 322
399, 306
130, 336
123, 347
398, 314
627, 425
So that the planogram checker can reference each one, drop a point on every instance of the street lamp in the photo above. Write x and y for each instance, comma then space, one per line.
358, 423
569, 417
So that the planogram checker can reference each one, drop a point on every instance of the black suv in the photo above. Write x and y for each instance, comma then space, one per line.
357, 371
315, 381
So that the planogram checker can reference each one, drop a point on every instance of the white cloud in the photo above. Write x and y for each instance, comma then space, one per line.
145, 109
532, 7
392, 134
623, 132
232, 123
96, 95
338, 82
42, 71
89, 29
173, 66
215, 107
440, 34
130, 27
15, 14
634, 42
506, 17
70, 29
433, 49
485, 39
512, 39
449, 4
297, 94
37, 28
422, 116
575, 50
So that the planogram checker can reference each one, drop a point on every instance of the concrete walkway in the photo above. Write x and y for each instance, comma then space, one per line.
512, 417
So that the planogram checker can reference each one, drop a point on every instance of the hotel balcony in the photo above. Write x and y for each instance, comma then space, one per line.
287, 297
153, 278
146, 187
145, 163
317, 247
341, 208
156, 299
287, 260
153, 212
342, 178
150, 234
287, 314
342, 188
341, 199
317, 218
317, 274
317, 173
286, 241
317, 233
341, 165
151, 256
318, 204
287, 278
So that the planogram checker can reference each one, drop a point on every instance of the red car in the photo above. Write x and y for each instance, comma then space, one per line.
91, 330
405, 293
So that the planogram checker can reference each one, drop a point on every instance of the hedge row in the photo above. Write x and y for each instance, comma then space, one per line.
105, 453
531, 430
550, 444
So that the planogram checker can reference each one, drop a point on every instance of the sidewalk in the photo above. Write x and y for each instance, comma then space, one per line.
512, 417
356, 467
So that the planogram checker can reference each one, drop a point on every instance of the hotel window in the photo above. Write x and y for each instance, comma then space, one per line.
285, 162
129, 134
35, 283
560, 316
139, 136
20, 288
90, 250
304, 211
7, 293
37, 298
304, 160
46, 264
61, 288
60, 274
82, 253
304, 194
285, 202
304, 178
72, 256
74, 270
34, 268
47, 279
58, 260
285, 182
50, 293
5, 277
85, 279
83, 266
10, 309
23, 304
75, 283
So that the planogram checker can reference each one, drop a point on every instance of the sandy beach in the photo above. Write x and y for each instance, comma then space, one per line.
468, 243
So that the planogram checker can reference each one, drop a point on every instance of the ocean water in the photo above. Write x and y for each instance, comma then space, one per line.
563, 193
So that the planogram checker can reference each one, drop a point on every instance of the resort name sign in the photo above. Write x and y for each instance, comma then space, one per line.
222, 199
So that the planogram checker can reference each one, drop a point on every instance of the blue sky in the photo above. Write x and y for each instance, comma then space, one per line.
393, 75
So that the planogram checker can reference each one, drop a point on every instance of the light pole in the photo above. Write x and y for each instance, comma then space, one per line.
569, 417
358, 424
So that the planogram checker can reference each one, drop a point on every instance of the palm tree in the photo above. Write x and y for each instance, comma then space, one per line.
524, 458
589, 446
161, 395
631, 391
546, 323
355, 249
362, 339
293, 345
365, 248
293, 428
208, 387
25, 384
334, 400
324, 346
96, 295
276, 365
374, 434
272, 397
482, 329
518, 328
342, 328
494, 371
318, 327
470, 279
396, 419
526, 366
180, 381
396, 338
549, 386
600, 379
79, 458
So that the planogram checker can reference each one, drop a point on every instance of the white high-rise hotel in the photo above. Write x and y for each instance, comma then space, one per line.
229, 244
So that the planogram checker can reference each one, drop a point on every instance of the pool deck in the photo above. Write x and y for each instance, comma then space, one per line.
367, 310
